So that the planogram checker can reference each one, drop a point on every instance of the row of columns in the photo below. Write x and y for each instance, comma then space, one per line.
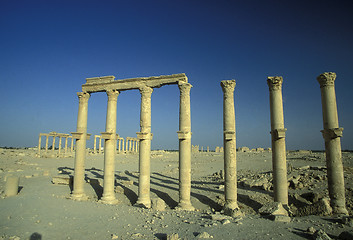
144, 137
54, 135
331, 133
132, 144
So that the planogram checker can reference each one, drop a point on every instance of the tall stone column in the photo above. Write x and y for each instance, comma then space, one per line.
229, 141
65, 145
184, 135
46, 143
100, 145
39, 144
123, 146
110, 149
332, 134
60, 142
95, 144
72, 144
144, 137
53, 147
81, 136
279, 165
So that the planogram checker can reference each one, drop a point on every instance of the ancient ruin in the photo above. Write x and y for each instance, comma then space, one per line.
113, 88
54, 135
280, 185
131, 146
229, 142
332, 134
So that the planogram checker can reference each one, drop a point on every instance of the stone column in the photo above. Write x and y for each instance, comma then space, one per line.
229, 141
208, 149
100, 145
95, 144
144, 137
184, 135
332, 134
72, 144
39, 144
46, 143
279, 165
60, 140
110, 149
66, 145
53, 146
123, 146
81, 136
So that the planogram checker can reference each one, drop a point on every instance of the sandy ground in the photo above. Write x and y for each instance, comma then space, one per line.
43, 210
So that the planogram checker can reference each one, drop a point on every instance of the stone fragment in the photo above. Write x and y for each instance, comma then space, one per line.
158, 204
280, 218
119, 189
311, 230
61, 180
114, 236
273, 208
173, 236
204, 235
321, 235
321, 208
225, 221
11, 187
346, 235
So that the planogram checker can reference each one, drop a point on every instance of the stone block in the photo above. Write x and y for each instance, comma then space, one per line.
11, 187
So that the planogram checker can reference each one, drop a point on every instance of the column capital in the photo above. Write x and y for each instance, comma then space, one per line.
83, 96
275, 83
329, 134
228, 86
278, 133
326, 79
184, 87
112, 95
146, 91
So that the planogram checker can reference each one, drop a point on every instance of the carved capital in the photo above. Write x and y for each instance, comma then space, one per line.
229, 135
184, 88
112, 95
184, 135
228, 86
275, 83
146, 91
329, 134
326, 79
278, 133
83, 97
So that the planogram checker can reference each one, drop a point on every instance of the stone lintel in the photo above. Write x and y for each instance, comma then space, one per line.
332, 133
78, 135
101, 84
109, 135
144, 135
184, 135
229, 135
278, 133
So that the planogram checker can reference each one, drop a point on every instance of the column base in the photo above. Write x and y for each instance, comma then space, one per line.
185, 206
109, 200
144, 203
340, 211
232, 209
79, 197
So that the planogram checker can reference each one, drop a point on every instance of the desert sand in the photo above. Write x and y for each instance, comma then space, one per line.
43, 209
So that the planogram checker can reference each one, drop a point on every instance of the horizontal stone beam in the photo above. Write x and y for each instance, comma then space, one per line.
101, 84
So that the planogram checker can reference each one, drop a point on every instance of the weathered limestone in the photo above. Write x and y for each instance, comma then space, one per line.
11, 187
280, 185
332, 134
184, 135
145, 137
81, 136
229, 142
54, 135
110, 149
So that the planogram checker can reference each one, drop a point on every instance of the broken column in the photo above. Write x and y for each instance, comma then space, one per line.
109, 135
11, 187
332, 134
81, 136
39, 144
184, 135
229, 142
144, 137
280, 184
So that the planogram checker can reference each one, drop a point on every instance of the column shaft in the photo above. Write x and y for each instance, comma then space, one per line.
144, 137
39, 144
53, 145
66, 144
95, 144
60, 142
332, 134
229, 142
46, 143
110, 149
79, 175
280, 184
184, 136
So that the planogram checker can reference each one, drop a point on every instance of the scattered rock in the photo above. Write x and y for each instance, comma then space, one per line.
173, 236
114, 236
62, 180
321, 208
219, 217
281, 218
225, 221
311, 230
321, 235
204, 235
158, 204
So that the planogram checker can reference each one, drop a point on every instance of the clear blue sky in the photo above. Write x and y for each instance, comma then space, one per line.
48, 48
